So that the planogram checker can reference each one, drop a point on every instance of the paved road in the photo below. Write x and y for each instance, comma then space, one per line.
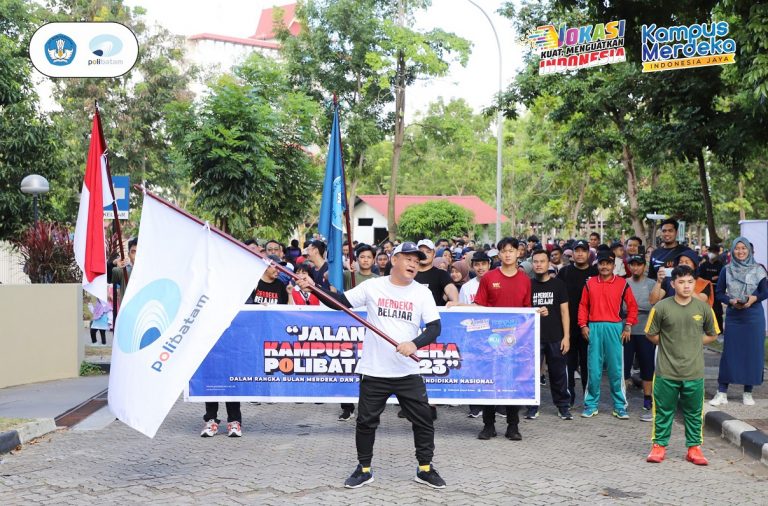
299, 454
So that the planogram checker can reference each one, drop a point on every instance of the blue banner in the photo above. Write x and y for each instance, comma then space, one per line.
309, 354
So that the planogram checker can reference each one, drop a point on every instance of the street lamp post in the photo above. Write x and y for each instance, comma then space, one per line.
499, 128
34, 185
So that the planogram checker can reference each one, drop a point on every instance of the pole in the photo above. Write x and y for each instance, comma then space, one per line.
320, 294
346, 201
34, 207
118, 230
499, 127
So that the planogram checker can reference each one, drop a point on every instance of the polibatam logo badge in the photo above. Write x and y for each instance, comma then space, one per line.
678, 47
113, 49
147, 315
566, 48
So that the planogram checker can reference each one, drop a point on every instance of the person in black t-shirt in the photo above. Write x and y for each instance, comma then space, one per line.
575, 277
437, 280
551, 293
710, 270
664, 256
270, 290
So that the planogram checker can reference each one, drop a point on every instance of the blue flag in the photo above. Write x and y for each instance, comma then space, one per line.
333, 205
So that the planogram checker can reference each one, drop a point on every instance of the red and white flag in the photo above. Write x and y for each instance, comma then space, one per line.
89, 244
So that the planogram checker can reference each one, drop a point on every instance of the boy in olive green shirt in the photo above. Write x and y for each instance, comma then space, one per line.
680, 326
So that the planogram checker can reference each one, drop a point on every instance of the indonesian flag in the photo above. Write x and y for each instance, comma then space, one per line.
90, 247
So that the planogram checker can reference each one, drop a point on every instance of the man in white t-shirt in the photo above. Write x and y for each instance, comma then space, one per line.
398, 307
481, 264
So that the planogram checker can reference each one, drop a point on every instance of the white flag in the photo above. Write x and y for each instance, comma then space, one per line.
185, 289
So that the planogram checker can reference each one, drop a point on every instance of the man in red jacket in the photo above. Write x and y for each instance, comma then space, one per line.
601, 324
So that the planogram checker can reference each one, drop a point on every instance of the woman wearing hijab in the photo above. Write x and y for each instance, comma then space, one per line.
742, 286
459, 272
440, 263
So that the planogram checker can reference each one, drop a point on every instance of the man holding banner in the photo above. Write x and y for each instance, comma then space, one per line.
396, 305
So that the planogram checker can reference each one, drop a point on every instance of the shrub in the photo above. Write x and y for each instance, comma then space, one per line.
48, 254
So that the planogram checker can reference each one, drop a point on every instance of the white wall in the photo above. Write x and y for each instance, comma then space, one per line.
365, 234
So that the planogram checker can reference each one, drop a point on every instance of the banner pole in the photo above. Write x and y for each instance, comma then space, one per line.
346, 201
321, 294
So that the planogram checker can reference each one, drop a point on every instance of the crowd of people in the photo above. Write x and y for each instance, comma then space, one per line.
616, 307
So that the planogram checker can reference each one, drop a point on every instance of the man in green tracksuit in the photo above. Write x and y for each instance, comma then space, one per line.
680, 326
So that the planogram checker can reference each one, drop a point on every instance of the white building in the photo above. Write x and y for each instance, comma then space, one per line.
369, 214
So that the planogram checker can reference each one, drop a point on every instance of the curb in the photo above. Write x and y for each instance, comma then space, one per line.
752, 441
11, 439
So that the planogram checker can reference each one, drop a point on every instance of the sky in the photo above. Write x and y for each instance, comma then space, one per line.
476, 83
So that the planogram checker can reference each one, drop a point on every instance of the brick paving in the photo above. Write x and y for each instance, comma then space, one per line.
300, 454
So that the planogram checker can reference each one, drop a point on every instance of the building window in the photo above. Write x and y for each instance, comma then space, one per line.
365, 222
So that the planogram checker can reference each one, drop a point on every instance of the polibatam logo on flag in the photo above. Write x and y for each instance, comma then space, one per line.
187, 285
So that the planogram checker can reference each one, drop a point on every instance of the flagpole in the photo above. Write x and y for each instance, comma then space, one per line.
114, 203
346, 202
321, 294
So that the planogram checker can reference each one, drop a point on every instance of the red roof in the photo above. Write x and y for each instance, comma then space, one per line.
265, 28
484, 214
235, 40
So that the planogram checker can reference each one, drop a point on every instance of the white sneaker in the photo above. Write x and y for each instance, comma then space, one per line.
210, 429
720, 398
748, 400
234, 429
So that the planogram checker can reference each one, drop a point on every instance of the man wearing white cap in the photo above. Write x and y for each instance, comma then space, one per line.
437, 280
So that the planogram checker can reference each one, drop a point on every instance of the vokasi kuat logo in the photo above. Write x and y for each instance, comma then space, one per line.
566, 48
60, 50
686, 46
147, 315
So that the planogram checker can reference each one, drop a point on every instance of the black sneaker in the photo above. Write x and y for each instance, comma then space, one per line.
358, 478
488, 432
543, 380
474, 413
513, 434
532, 413
430, 478
565, 413
345, 415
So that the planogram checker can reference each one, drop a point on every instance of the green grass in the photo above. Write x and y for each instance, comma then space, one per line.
12, 423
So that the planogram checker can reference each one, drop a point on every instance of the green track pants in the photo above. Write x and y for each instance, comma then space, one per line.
605, 348
666, 395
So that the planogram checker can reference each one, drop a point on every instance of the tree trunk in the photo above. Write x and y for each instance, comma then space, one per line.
399, 130
576, 209
742, 211
713, 237
627, 159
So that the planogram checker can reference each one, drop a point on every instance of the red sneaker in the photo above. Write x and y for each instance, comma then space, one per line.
695, 456
657, 454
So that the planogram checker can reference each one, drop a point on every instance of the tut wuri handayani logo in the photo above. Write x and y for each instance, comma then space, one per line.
677, 47
60, 50
563, 48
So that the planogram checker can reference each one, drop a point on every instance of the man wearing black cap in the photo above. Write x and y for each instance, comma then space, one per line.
575, 276
481, 264
400, 308
601, 324
638, 345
